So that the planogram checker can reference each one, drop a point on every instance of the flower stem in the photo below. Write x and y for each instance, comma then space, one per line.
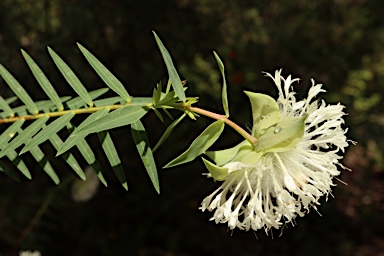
237, 128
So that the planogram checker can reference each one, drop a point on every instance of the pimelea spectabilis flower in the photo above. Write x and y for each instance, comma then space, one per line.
292, 165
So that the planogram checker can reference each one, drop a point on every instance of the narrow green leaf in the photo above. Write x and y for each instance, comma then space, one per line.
93, 117
45, 164
48, 131
73, 139
169, 83
10, 100
113, 157
25, 135
158, 114
142, 144
8, 171
157, 93
78, 102
167, 98
108, 101
173, 75
10, 132
168, 131
108, 78
89, 156
18, 90
6, 108
217, 172
224, 96
68, 157
120, 117
168, 114
143, 101
46, 105
71, 78
42, 105
200, 144
43, 81
12, 155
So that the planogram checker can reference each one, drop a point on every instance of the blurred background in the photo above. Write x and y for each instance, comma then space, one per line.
340, 43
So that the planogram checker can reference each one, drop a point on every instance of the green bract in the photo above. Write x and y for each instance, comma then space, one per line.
217, 172
265, 112
282, 136
272, 134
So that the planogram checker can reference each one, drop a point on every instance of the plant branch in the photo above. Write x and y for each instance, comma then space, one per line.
60, 113
212, 115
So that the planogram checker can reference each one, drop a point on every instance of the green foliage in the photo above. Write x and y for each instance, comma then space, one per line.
43, 81
105, 115
200, 144
224, 96
142, 144
173, 75
105, 74
18, 90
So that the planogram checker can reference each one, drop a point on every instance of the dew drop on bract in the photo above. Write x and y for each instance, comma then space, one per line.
262, 131
277, 129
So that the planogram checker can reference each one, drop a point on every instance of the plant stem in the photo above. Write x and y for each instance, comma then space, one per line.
212, 115
59, 113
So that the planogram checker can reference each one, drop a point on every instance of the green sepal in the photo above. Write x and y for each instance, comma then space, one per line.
217, 172
200, 144
265, 112
282, 136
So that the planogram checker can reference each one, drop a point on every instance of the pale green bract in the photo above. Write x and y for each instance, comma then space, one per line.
273, 135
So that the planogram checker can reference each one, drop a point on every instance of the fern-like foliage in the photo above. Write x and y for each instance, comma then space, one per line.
36, 122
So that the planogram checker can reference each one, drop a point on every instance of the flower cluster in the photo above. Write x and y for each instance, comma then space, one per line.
290, 168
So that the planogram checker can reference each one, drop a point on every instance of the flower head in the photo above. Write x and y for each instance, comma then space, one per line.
288, 170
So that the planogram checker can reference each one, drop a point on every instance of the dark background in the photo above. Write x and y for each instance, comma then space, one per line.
339, 43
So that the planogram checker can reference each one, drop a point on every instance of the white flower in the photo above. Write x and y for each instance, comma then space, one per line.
29, 253
291, 167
